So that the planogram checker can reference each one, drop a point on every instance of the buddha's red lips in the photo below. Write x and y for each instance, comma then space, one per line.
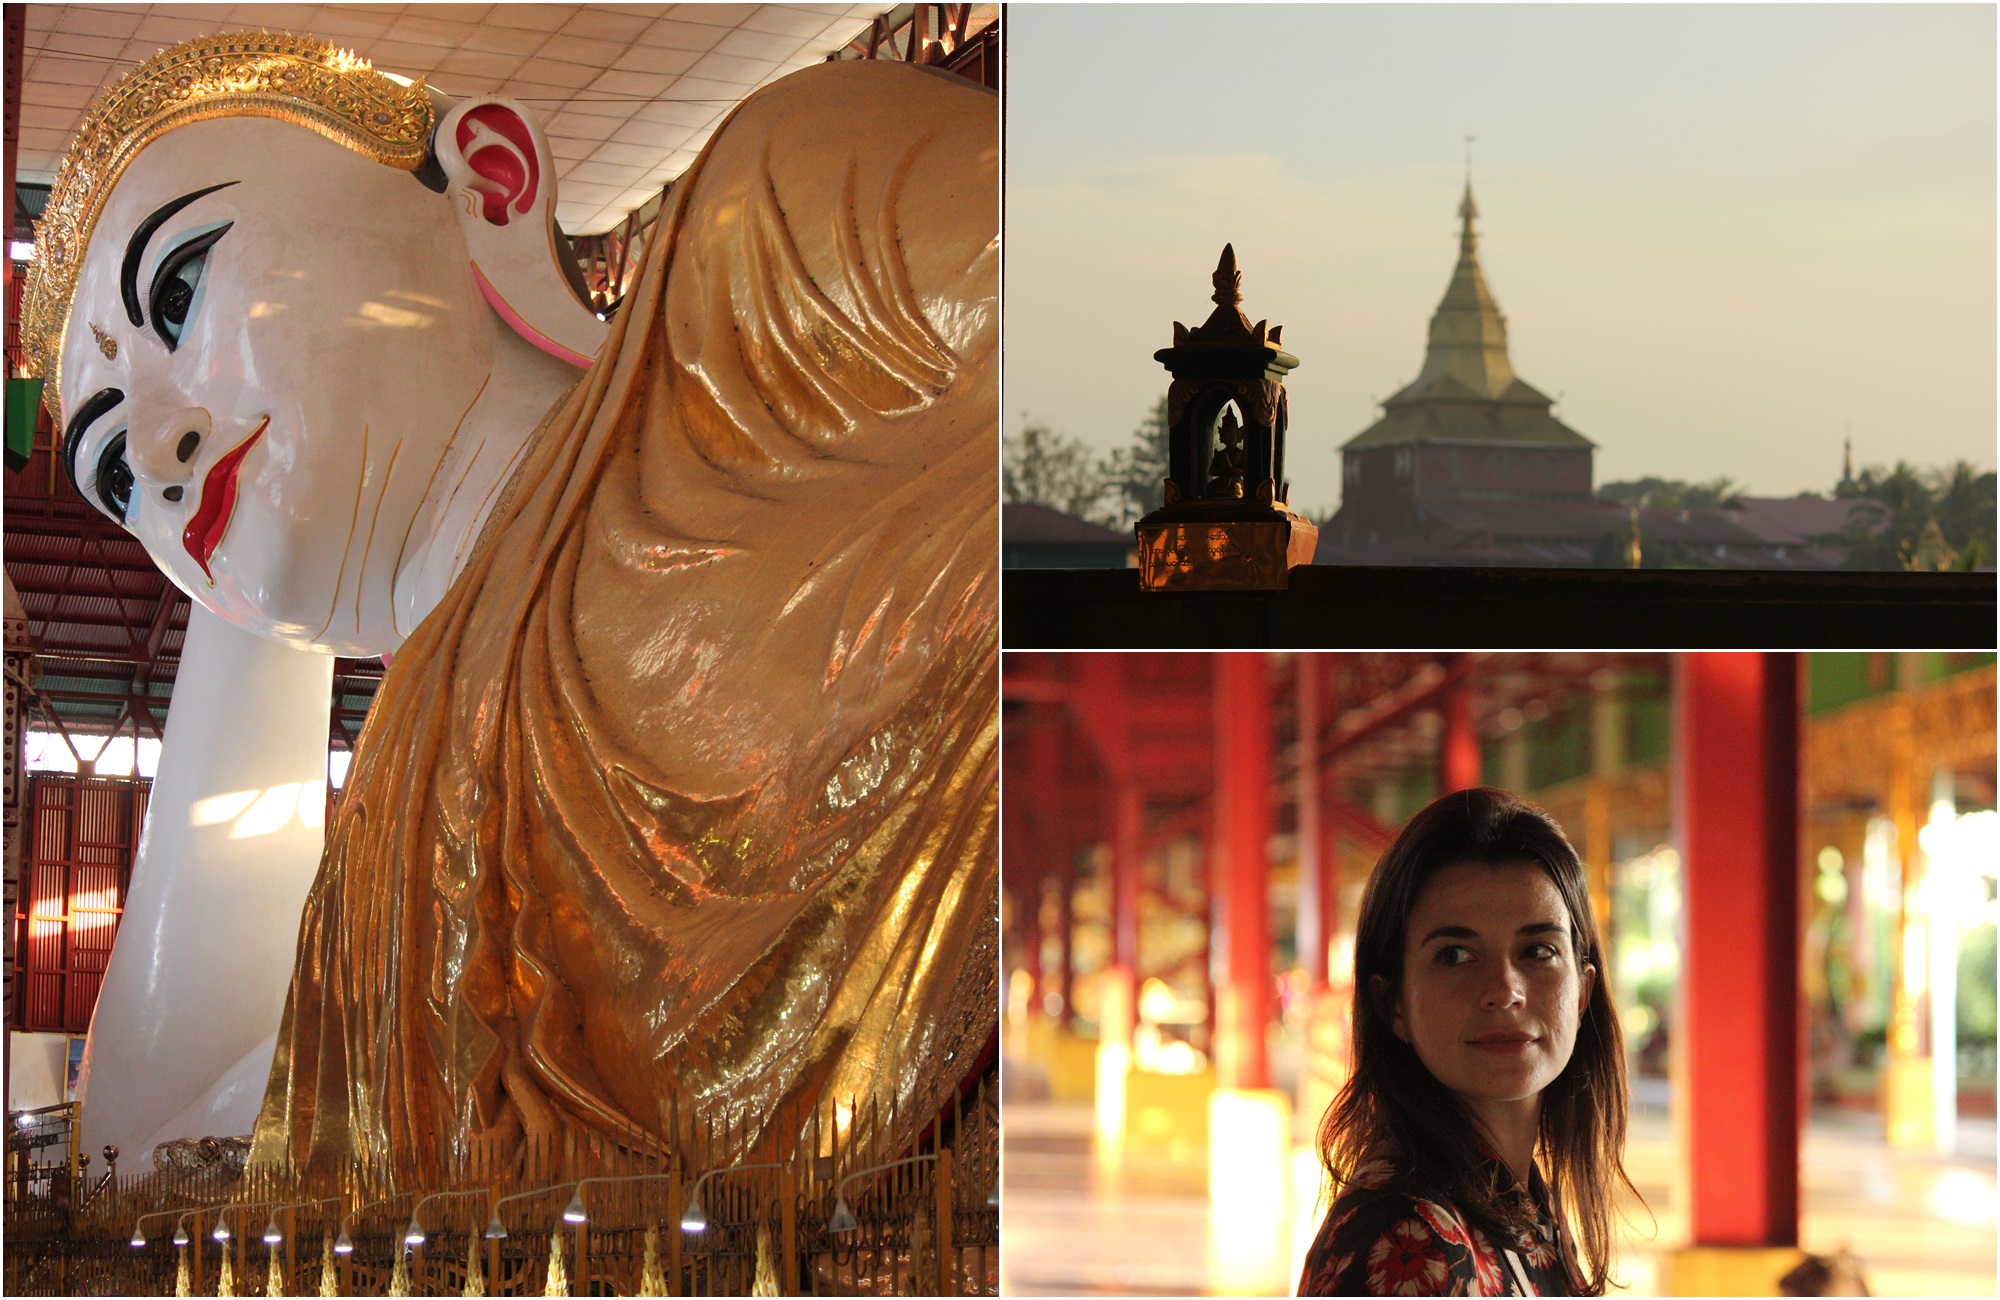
218, 503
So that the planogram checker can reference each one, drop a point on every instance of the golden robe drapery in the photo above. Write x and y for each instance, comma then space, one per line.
689, 784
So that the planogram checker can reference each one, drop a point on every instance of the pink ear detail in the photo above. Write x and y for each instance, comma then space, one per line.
521, 327
512, 175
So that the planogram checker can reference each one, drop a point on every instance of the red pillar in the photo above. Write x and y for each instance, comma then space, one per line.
1312, 932
1028, 901
1066, 918
1023, 856
1242, 829
1099, 700
1458, 764
1736, 787
1120, 992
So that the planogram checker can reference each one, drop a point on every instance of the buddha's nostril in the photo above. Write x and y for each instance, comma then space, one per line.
189, 441
173, 493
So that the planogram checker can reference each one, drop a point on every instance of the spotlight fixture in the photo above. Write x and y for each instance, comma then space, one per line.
842, 1219
343, 1244
496, 1230
180, 1235
272, 1236
138, 1237
221, 1232
574, 1211
693, 1219
414, 1234
993, 1197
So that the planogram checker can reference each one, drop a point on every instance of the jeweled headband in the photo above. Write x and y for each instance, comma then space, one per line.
296, 79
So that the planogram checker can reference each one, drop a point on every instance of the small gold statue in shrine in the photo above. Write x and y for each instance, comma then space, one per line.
1225, 524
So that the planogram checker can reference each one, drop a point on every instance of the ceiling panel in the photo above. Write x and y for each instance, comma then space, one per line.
627, 92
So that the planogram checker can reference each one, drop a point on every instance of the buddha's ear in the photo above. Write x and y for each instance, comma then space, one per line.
500, 180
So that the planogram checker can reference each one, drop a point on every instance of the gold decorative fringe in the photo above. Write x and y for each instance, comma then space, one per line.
182, 1284
766, 1281
475, 1281
652, 1279
558, 1283
226, 1284
399, 1279
274, 1281
329, 1279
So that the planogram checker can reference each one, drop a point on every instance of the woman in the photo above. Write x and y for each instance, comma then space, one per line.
1477, 1143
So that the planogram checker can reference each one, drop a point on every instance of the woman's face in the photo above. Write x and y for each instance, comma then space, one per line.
1493, 990
289, 342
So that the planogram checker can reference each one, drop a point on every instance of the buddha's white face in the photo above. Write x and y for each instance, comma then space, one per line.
298, 335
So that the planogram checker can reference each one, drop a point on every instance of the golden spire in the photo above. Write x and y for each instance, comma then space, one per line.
1468, 335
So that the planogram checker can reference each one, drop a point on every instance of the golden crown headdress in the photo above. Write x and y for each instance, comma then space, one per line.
298, 79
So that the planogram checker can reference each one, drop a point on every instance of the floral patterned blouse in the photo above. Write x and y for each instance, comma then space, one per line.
1390, 1235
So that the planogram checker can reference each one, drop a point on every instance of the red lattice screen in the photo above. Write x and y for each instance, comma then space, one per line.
82, 833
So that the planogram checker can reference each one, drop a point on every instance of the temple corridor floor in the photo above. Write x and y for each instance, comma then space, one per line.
1921, 1225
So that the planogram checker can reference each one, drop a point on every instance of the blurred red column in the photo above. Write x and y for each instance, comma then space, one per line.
1313, 930
1458, 761
1736, 787
1242, 830
1121, 983
1022, 862
1102, 705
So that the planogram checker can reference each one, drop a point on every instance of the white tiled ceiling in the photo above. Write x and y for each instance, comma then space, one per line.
628, 93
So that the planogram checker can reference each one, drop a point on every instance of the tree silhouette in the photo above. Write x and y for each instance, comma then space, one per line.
1051, 469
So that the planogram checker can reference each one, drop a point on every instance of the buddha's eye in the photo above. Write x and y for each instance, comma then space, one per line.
177, 282
112, 483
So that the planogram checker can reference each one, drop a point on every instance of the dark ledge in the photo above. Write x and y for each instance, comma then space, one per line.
1340, 607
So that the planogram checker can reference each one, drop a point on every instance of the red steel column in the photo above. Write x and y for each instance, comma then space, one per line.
1242, 829
1736, 788
1458, 763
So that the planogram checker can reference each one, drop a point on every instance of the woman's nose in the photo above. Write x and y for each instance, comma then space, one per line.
163, 453
1506, 989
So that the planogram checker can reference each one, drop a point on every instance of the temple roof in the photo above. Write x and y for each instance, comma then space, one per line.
1467, 389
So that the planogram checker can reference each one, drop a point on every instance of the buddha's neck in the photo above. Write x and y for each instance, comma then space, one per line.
472, 475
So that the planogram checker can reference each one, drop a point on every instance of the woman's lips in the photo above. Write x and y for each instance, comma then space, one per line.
1505, 1044
218, 503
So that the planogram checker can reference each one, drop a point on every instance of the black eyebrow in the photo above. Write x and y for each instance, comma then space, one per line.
128, 275
1462, 932
100, 401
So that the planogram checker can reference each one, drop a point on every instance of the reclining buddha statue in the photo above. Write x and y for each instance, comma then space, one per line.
681, 780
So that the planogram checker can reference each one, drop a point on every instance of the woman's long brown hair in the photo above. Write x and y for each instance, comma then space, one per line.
1394, 1104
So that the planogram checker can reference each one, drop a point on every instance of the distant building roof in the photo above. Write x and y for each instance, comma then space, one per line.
1748, 533
1026, 521
1467, 390
1798, 517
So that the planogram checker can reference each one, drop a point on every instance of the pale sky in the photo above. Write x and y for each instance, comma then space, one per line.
1722, 234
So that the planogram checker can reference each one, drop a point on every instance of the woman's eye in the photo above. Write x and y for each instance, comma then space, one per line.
176, 282
1453, 955
1541, 951
113, 482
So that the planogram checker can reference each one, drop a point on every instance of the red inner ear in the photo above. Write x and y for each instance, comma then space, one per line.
516, 177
